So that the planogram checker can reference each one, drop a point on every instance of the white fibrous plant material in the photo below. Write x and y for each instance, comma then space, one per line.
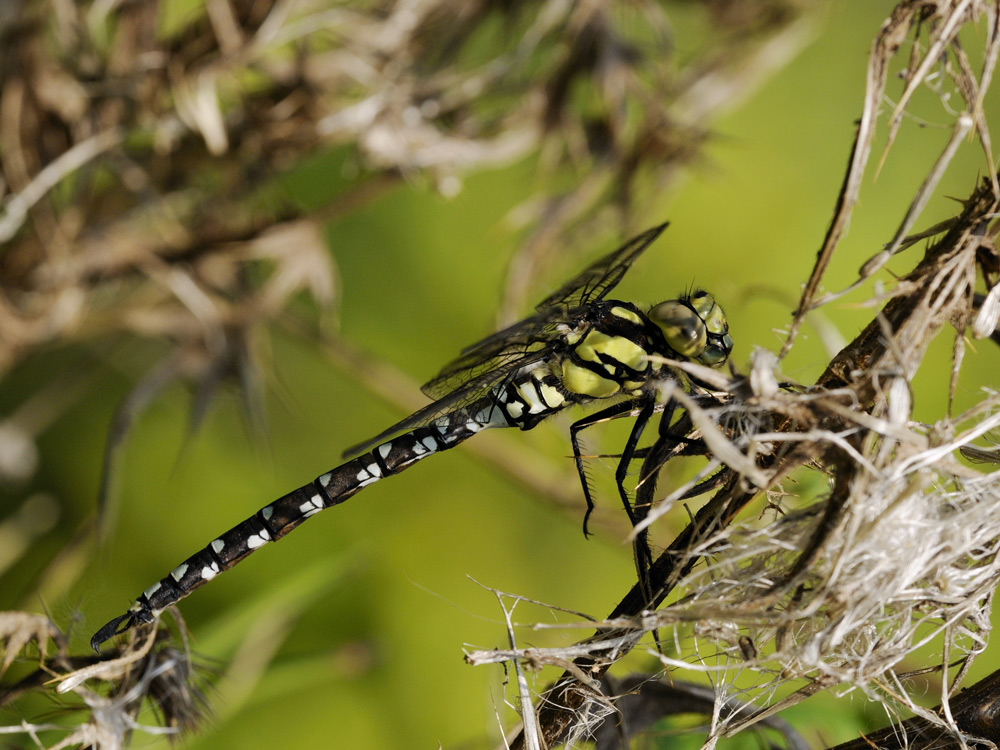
839, 596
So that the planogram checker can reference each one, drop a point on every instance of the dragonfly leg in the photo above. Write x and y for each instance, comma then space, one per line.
642, 417
612, 412
673, 441
643, 555
705, 485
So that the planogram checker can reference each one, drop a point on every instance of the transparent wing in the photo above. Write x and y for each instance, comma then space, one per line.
602, 276
472, 391
536, 332
502, 352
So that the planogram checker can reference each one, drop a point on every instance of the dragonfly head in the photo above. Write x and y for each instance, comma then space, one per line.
695, 327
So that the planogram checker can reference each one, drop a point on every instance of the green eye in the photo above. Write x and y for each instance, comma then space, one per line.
704, 304
714, 355
682, 327
695, 327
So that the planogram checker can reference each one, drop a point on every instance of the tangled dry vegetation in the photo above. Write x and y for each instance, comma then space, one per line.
118, 122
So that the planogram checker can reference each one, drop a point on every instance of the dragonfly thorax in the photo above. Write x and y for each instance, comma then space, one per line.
611, 355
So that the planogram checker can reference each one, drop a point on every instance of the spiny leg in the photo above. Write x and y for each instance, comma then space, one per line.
706, 485
612, 412
640, 545
673, 441
666, 435
643, 413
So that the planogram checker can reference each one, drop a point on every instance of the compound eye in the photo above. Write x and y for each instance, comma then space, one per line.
709, 311
684, 330
714, 355
702, 302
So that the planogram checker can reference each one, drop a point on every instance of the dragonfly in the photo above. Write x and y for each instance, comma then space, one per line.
577, 347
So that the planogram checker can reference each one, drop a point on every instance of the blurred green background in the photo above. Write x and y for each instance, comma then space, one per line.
368, 608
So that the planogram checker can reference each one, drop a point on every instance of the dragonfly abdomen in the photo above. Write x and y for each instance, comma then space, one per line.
278, 518
269, 524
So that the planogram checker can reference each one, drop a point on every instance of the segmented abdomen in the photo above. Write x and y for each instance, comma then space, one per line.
278, 518
527, 398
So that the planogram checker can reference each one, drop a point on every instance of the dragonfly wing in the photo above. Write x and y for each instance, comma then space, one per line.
536, 333
504, 350
472, 391
603, 275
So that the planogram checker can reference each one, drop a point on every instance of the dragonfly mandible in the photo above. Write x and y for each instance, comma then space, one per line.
576, 348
